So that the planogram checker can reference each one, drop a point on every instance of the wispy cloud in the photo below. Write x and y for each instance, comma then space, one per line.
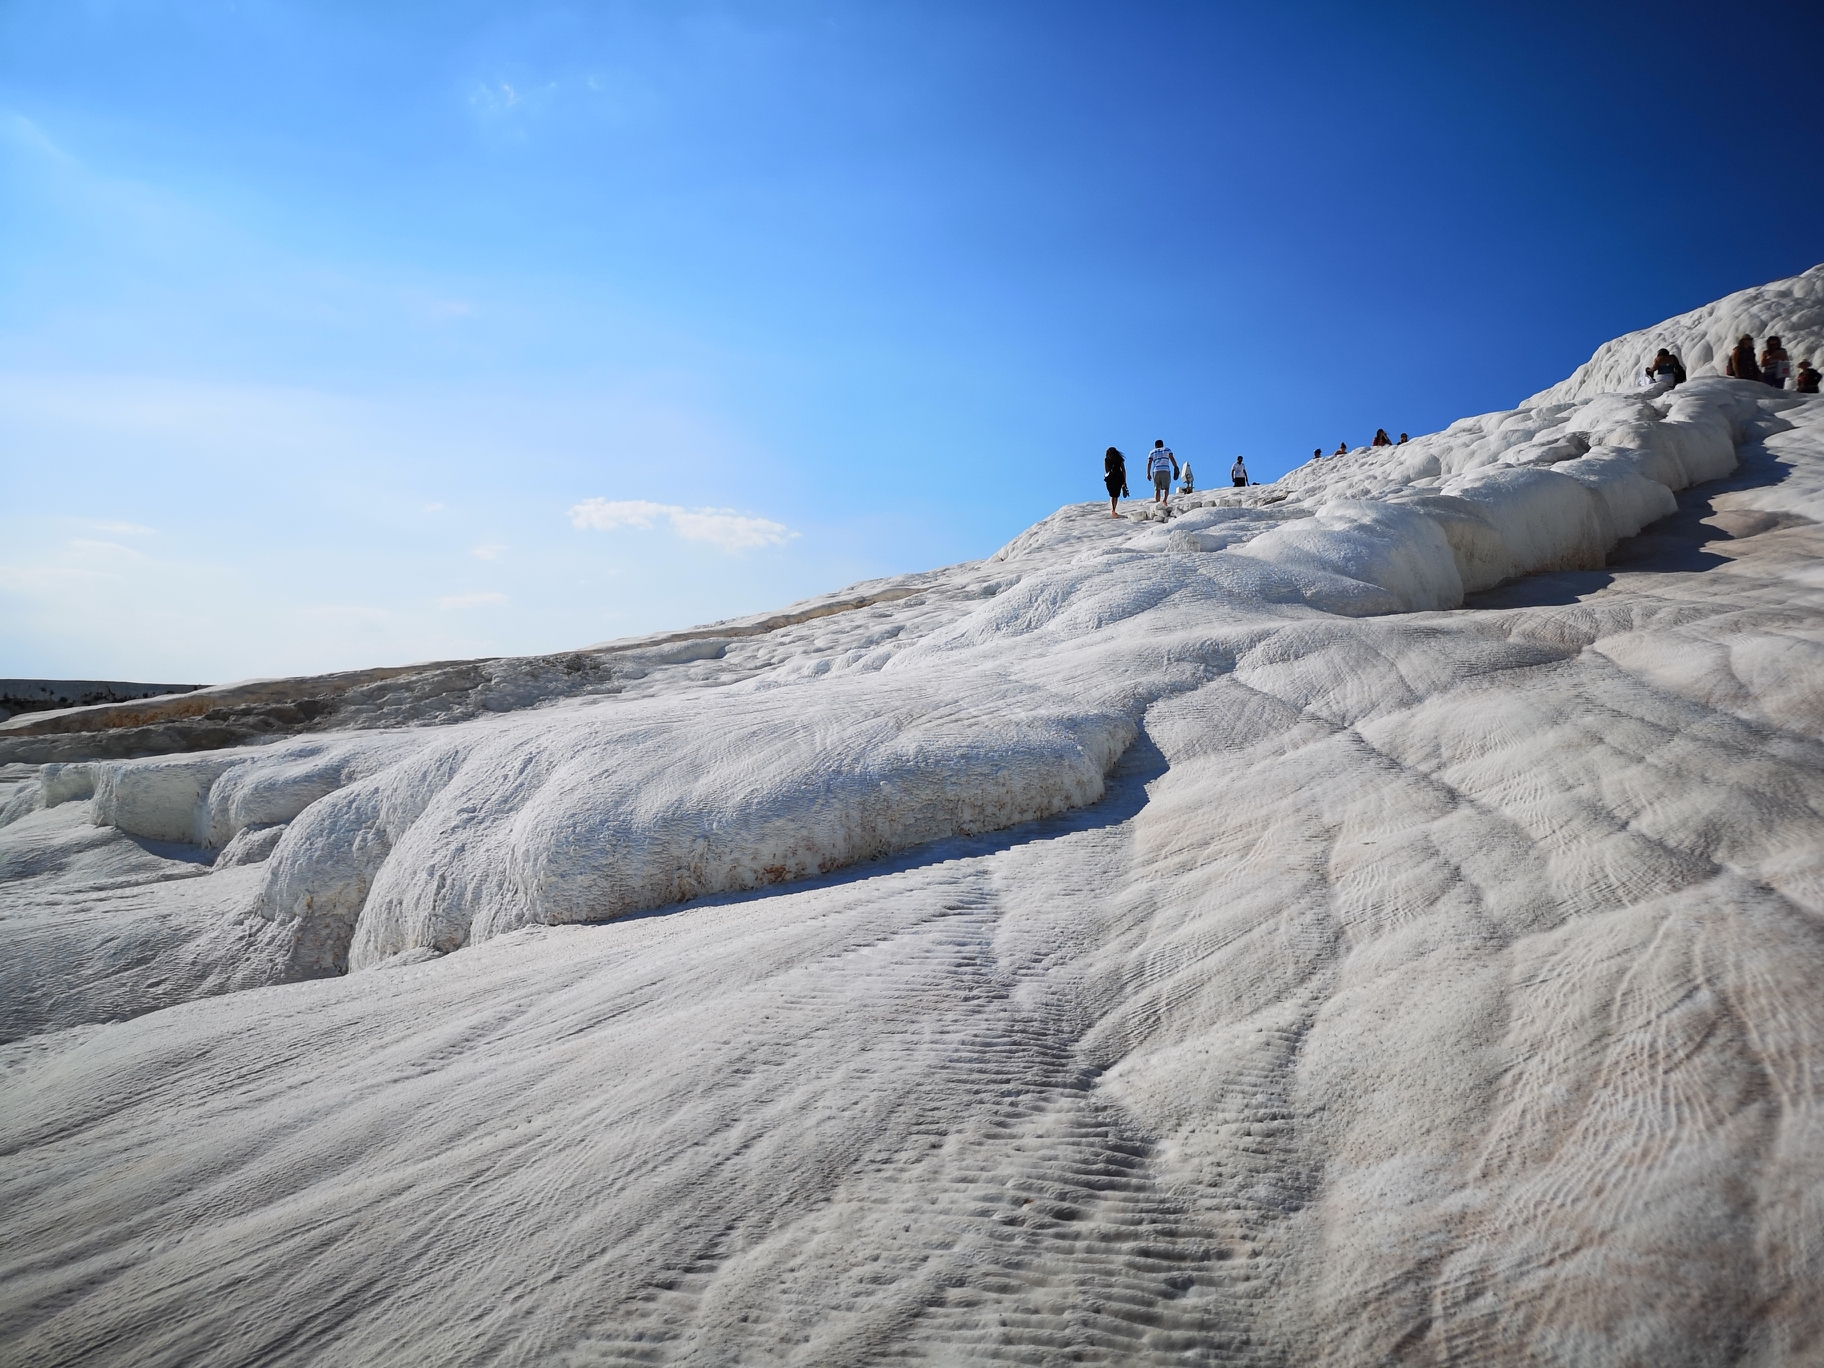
470, 600
21, 131
722, 528
495, 99
492, 97
88, 546
488, 550
605, 515
118, 529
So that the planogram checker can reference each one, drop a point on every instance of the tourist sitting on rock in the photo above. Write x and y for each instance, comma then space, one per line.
1806, 381
1342, 449
1741, 361
1667, 367
1775, 364
1381, 438
1238, 473
1114, 477
1403, 440
1163, 467
1317, 453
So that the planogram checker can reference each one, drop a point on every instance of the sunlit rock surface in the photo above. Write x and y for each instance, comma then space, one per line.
1371, 917
1790, 309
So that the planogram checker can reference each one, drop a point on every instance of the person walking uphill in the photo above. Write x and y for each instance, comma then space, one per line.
1163, 467
1114, 477
1741, 360
1238, 473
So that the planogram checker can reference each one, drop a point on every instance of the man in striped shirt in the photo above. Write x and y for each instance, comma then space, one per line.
1163, 467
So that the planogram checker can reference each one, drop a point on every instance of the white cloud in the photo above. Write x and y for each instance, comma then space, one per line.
433, 508
498, 98
604, 515
118, 529
488, 550
84, 544
727, 529
470, 600
490, 97
722, 528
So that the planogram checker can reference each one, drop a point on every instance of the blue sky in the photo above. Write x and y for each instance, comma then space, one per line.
319, 322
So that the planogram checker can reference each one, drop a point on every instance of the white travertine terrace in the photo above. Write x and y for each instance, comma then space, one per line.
1375, 916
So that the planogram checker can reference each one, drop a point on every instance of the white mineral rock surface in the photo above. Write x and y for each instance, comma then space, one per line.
1377, 916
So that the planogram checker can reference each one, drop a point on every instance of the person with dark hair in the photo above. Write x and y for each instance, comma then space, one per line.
1381, 438
1163, 467
1342, 449
1666, 367
1775, 364
1317, 453
1238, 473
1114, 476
1403, 440
1806, 381
1741, 360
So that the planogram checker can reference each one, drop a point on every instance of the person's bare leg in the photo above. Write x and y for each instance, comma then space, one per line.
1113, 499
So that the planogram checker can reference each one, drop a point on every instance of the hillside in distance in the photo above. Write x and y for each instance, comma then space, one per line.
1370, 917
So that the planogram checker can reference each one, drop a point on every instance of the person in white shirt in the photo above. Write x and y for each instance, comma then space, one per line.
1163, 467
1239, 472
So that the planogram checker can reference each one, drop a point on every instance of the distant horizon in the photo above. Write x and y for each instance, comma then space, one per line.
333, 339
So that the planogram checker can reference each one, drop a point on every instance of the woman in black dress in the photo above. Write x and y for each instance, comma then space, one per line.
1114, 475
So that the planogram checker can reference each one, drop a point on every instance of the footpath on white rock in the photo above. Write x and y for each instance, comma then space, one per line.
1374, 916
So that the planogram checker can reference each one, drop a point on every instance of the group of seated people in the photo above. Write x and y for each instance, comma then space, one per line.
1774, 367
1380, 439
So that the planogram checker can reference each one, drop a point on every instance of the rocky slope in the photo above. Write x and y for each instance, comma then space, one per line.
1370, 917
